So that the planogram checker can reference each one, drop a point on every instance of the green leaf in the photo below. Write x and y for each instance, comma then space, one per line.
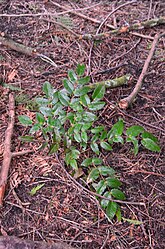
113, 182
40, 118
135, 143
25, 120
150, 144
93, 175
95, 148
55, 98
86, 126
84, 136
85, 100
35, 189
46, 111
68, 86
57, 108
72, 76
98, 92
63, 98
81, 91
104, 202
95, 137
47, 89
71, 116
84, 80
118, 214
116, 130
80, 70
111, 209
97, 161
73, 164
54, 148
105, 170
118, 194
103, 135
87, 162
26, 138
149, 135
53, 122
42, 101
135, 222
134, 130
100, 187
95, 106
105, 146
89, 117
118, 139
98, 129
77, 137
34, 128
75, 153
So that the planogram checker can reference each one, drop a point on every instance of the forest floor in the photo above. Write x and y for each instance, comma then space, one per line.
61, 210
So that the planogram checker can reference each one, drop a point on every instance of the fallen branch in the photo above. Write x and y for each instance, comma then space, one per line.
137, 26
124, 103
7, 155
7, 242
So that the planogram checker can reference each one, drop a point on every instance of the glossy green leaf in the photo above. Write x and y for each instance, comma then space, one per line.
97, 161
95, 106
113, 182
86, 126
72, 76
47, 89
84, 136
95, 137
106, 171
35, 128
46, 111
81, 91
89, 117
75, 153
95, 148
26, 138
104, 202
35, 189
118, 139
135, 222
116, 130
42, 101
71, 117
150, 145
80, 70
73, 164
134, 130
84, 80
98, 92
93, 175
135, 143
55, 98
68, 86
77, 127
40, 118
57, 108
150, 136
86, 162
106, 146
85, 100
118, 214
111, 209
54, 148
98, 129
77, 137
103, 135
63, 98
100, 187
118, 194
53, 122
25, 120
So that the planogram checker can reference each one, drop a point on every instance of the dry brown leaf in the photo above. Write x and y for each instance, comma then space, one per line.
12, 75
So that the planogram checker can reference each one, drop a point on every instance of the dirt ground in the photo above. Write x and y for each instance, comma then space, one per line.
62, 210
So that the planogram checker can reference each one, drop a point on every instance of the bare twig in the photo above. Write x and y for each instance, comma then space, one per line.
7, 148
124, 103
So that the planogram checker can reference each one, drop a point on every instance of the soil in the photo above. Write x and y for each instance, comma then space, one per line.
61, 211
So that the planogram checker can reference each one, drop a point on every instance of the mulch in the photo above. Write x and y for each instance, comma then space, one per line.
62, 211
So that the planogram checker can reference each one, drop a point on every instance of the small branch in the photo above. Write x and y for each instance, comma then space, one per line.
125, 29
7, 148
21, 153
124, 103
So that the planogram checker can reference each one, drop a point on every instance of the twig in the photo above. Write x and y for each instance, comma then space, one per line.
142, 36
124, 103
7, 148
146, 172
